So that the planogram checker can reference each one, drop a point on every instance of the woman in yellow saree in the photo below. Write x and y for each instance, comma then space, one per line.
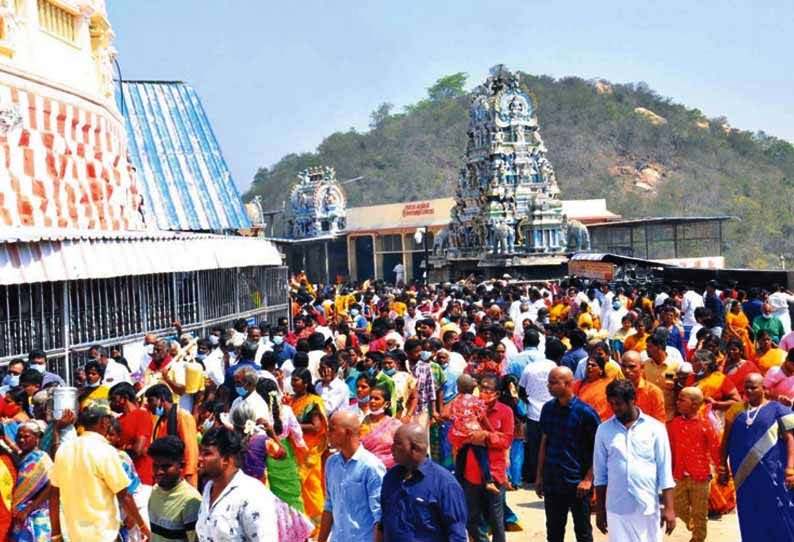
310, 411
737, 327
767, 354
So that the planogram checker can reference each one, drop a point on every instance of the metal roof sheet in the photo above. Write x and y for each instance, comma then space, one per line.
70, 259
185, 180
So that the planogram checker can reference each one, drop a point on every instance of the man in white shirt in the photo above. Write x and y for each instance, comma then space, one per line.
606, 298
690, 301
533, 386
399, 274
612, 320
115, 372
779, 301
316, 353
245, 380
331, 388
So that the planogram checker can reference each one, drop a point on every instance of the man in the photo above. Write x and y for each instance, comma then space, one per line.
660, 369
420, 500
516, 364
780, 300
88, 481
484, 505
399, 274
767, 321
565, 460
650, 398
37, 360
632, 464
175, 422
533, 388
612, 320
715, 307
316, 353
245, 381
353, 478
11, 379
605, 297
456, 360
174, 504
137, 428
247, 511
576, 353
752, 307
246, 359
424, 406
281, 347
690, 301
115, 372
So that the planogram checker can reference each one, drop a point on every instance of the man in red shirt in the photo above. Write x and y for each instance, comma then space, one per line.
650, 398
484, 505
136, 429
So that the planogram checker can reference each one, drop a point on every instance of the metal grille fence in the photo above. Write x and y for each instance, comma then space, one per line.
68, 317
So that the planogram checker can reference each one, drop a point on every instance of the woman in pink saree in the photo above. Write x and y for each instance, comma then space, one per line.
378, 428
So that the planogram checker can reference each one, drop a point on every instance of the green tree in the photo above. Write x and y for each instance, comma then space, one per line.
449, 86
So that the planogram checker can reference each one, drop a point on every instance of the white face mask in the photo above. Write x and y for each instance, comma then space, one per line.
40, 367
377, 412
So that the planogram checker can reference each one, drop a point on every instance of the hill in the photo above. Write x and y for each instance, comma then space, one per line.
645, 154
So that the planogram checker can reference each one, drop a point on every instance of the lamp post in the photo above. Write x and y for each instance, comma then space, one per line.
420, 236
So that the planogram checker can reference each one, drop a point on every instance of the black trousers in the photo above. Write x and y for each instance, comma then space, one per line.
558, 505
485, 508
531, 449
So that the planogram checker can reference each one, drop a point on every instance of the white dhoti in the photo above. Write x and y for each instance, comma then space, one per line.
634, 527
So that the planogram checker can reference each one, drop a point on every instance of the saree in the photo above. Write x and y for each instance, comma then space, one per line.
310, 460
97, 395
722, 499
379, 438
8, 476
283, 473
32, 478
774, 357
757, 458
636, 342
595, 394
736, 327
739, 374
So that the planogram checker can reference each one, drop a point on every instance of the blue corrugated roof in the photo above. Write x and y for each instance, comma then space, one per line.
184, 178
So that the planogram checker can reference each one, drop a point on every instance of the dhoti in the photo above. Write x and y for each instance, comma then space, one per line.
634, 527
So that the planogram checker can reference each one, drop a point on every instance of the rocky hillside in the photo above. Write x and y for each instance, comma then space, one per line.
645, 154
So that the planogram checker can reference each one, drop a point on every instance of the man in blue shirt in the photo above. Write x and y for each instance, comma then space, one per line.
577, 352
281, 347
353, 478
517, 363
632, 464
420, 500
565, 462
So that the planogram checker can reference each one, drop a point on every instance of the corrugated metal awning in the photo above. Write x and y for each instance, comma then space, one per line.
50, 261
185, 179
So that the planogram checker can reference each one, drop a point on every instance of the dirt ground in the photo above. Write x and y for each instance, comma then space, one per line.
529, 509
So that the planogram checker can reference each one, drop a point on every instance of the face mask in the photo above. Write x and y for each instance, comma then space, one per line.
377, 412
372, 371
354, 312
214, 340
390, 372
159, 411
11, 380
426, 355
39, 367
94, 385
616, 305
767, 316
149, 349
278, 340
201, 357
241, 391
487, 396
364, 401
208, 423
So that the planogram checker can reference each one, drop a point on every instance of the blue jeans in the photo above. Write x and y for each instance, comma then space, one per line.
516, 462
445, 448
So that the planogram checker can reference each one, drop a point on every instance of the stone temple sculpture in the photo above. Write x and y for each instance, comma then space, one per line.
317, 204
507, 200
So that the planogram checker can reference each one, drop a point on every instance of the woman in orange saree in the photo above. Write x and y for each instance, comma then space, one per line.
737, 327
719, 394
310, 411
593, 389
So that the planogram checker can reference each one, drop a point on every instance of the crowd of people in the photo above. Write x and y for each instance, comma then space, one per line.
406, 413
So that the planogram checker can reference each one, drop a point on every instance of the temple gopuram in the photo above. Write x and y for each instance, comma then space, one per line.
317, 204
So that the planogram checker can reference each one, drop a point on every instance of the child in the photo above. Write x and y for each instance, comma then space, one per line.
467, 414
693, 442
174, 504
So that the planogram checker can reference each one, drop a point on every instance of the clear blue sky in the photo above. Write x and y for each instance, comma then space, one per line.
277, 77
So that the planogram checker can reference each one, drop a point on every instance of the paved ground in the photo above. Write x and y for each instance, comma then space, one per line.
530, 510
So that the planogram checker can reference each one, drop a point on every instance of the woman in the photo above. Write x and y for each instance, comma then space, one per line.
737, 327
719, 395
759, 444
779, 382
14, 414
31, 507
93, 391
260, 443
404, 382
378, 428
283, 473
593, 389
364, 385
767, 354
636, 342
737, 368
309, 410
508, 395
500, 353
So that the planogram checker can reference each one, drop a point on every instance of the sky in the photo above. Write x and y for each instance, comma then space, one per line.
277, 77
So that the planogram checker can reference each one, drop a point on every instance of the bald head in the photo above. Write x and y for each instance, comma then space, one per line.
346, 420
561, 383
562, 374
754, 379
631, 364
410, 445
343, 432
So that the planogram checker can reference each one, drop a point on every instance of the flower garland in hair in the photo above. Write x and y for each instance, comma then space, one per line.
249, 429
